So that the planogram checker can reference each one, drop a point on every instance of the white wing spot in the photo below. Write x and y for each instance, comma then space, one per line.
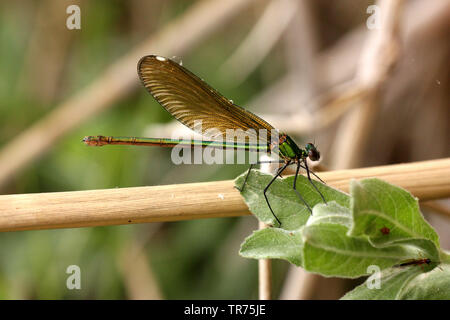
160, 58
221, 196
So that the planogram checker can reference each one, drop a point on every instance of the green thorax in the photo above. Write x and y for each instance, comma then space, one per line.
289, 149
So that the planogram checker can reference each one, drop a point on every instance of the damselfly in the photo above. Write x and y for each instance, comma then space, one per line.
189, 99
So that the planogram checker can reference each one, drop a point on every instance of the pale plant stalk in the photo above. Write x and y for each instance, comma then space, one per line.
426, 180
265, 265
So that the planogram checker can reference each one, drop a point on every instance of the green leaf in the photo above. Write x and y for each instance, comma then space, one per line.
331, 213
328, 250
431, 285
413, 282
377, 205
344, 238
392, 281
273, 243
284, 201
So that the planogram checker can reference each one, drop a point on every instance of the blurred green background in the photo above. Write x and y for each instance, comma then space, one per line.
42, 64
190, 259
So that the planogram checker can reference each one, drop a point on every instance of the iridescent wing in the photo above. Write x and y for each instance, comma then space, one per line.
192, 101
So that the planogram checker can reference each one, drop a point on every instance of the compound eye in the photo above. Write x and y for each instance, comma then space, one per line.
313, 154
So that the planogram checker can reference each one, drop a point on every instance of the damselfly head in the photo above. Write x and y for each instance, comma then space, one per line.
313, 153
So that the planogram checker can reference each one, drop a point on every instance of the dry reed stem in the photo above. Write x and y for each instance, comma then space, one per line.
264, 275
50, 51
300, 285
427, 180
379, 55
139, 279
265, 265
260, 41
437, 207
